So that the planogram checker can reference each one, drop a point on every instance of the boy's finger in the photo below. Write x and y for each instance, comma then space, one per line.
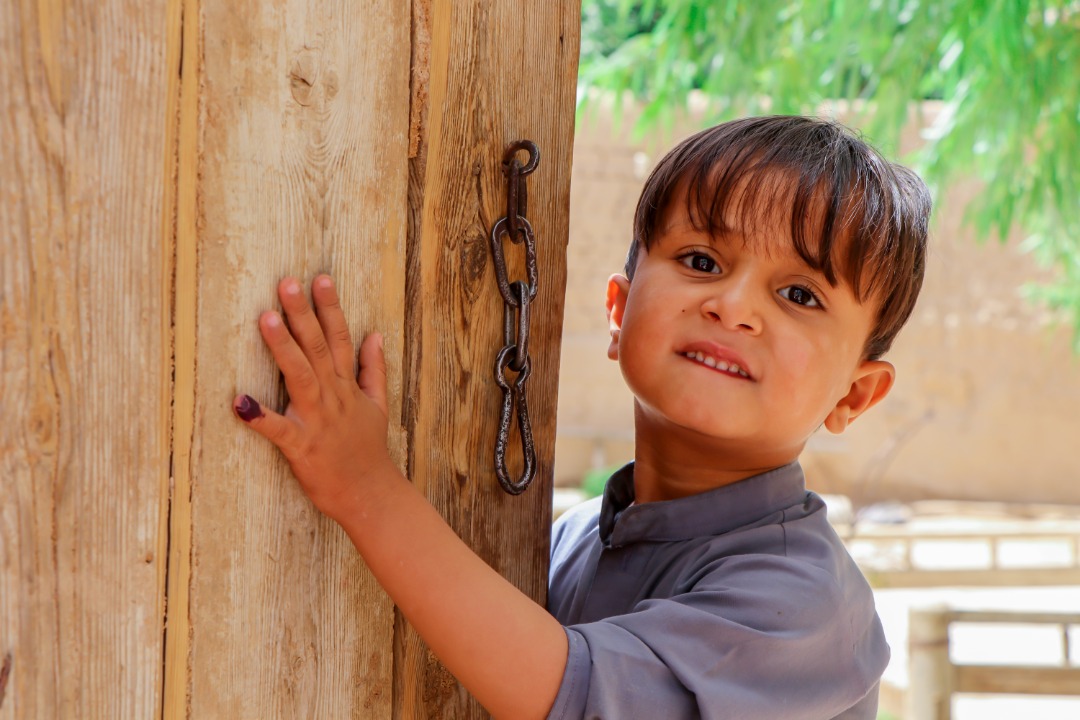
372, 375
334, 325
274, 427
305, 327
300, 378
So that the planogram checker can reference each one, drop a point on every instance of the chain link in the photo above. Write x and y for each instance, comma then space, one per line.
517, 297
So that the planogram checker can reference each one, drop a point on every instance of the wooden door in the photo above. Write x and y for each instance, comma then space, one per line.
163, 164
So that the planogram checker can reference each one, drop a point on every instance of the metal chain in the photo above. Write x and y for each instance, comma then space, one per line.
517, 297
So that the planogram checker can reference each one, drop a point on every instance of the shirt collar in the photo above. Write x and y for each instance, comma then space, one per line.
713, 512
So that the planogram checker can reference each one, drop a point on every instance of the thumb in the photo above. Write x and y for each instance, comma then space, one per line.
372, 375
274, 427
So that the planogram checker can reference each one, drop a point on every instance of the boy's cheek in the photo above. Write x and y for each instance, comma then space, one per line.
801, 355
638, 371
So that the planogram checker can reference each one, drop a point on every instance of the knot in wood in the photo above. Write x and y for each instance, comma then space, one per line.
302, 77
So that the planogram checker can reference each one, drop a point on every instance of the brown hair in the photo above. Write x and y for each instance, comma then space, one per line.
854, 215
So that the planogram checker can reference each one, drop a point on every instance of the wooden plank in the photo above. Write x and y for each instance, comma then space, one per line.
1016, 680
301, 155
499, 70
85, 366
1016, 617
972, 578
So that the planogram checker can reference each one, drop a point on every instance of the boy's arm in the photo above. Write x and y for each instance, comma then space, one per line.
504, 648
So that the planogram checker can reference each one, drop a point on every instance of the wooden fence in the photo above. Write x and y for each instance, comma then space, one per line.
889, 557
935, 677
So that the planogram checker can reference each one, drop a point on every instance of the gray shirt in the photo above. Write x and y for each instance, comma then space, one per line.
740, 602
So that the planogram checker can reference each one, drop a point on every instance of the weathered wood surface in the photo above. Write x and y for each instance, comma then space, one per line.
497, 71
85, 361
162, 167
302, 159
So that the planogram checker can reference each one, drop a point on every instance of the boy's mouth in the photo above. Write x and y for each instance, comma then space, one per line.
722, 365
717, 358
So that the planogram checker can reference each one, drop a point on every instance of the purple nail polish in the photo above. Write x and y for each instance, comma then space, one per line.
248, 409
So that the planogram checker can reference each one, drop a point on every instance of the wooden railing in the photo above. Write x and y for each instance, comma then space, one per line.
886, 557
934, 677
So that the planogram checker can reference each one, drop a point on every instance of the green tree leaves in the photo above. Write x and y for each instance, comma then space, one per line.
1005, 71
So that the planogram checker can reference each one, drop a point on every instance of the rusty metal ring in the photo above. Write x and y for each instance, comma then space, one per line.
513, 148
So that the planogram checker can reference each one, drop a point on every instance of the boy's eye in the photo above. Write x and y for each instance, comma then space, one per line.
800, 296
700, 262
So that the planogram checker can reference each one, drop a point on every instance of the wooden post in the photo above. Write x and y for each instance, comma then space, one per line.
930, 672
164, 164
496, 71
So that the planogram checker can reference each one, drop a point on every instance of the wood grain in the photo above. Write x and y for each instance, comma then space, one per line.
500, 70
302, 162
163, 166
86, 361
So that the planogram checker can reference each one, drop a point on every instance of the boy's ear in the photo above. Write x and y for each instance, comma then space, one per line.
872, 382
618, 286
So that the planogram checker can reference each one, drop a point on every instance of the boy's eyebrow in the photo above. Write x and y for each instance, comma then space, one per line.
683, 231
682, 224
781, 250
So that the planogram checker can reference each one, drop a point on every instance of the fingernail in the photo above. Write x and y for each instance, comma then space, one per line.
379, 341
248, 409
325, 282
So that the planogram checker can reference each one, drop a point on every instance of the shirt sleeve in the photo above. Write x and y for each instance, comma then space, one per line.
764, 638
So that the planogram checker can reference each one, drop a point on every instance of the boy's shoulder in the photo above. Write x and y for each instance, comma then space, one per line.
576, 524
742, 590
767, 531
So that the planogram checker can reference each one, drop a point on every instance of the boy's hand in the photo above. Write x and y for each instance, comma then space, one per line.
333, 432
334, 436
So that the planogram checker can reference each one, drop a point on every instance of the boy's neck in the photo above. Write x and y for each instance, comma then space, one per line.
671, 462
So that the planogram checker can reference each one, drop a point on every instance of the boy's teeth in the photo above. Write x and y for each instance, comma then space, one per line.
712, 362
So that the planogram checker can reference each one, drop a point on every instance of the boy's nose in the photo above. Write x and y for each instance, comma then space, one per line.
734, 305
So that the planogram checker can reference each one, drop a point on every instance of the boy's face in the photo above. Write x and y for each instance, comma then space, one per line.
737, 341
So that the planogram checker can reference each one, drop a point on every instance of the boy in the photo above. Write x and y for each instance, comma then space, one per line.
773, 261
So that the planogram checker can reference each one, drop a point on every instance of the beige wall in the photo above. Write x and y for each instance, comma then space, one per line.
987, 400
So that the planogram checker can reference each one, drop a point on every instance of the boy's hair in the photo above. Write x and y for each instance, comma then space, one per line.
854, 215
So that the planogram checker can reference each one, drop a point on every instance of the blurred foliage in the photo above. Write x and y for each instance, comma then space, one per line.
1004, 71
594, 481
